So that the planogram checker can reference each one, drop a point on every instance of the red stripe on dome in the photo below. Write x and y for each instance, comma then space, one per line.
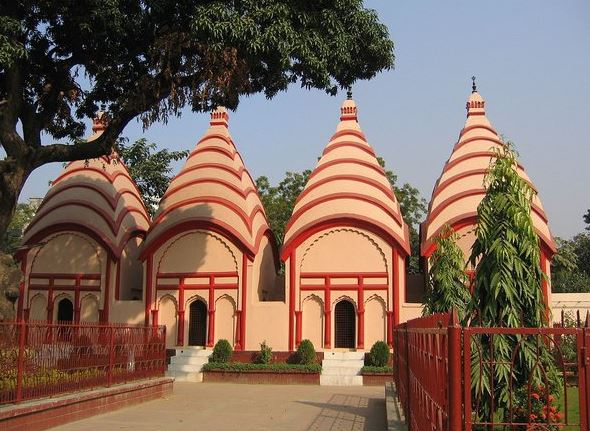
474, 155
386, 190
353, 144
477, 126
462, 143
230, 169
345, 132
353, 196
243, 193
110, 177
210, 136
345, 220
375, 166
219, 150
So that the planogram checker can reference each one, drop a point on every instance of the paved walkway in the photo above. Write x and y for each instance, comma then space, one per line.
219, 407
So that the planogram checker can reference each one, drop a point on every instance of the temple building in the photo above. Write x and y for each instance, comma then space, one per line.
460, 189
345, 247
80, 254
210, 256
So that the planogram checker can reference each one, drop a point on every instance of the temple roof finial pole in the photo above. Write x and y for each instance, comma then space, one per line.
473, 86
349, 93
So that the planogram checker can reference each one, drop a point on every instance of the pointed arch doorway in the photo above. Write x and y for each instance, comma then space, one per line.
65, 311
344, 325
197, 324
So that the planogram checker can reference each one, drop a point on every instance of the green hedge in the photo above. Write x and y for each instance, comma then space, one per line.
376, 370
277, 368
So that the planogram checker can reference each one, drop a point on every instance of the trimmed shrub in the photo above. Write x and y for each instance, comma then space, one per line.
369, 369
379, 354
306, 352
265, 354
276, 368
221, 352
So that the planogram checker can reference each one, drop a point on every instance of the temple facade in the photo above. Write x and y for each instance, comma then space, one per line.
460, 189
207, 266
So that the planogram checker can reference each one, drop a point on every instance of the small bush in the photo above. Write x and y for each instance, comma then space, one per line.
265, 354
306, 352
379, 354
369, 369
276, 368
221, 352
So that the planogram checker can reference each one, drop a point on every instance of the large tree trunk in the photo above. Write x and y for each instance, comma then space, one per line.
12, 181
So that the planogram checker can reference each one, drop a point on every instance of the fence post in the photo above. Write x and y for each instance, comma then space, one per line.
20, 365
454, 372
408, 412
586, 365
111, 356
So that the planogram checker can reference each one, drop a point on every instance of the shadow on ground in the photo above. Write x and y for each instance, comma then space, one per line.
349, 413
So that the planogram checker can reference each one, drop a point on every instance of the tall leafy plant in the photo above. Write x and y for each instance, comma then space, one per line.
507, 290
447, 279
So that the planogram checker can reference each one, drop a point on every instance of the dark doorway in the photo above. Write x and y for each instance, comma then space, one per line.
345, 322
65, 310
197, 324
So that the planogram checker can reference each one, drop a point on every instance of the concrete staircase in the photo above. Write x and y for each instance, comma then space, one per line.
342, 369
186, 365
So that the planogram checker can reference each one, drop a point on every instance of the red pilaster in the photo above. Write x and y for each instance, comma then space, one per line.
291, 297
50, 301
297, 327
180, 335
390, 328
360, 339
327, 314
211, 311
154, 318
396, 300
244, 294
77, 300
238, 345
148, 288
107, 287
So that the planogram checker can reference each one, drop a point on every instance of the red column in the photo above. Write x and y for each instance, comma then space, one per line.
396, 300
390, 328
244, 293
327, 314
180, 335
77, 300
148, 288
291, 297
107, 287
298, 327
50, 301
238, 345
211, 311
155, 318
360, 339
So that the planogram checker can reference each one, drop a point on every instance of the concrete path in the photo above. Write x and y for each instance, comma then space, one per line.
219, 407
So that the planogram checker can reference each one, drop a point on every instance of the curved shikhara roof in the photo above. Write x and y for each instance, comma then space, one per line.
348, 186
213, 190
460, 188
96, 196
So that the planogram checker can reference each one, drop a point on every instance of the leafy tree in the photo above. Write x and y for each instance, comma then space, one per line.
447, 280
13, 236
150, 169
60, 60
279, 201
587, 219
10, 278
570, 269
507, 290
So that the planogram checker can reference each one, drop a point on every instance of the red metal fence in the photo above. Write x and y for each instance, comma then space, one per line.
442, 370
39, 359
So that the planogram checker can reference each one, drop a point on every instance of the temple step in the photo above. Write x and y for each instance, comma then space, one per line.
186, 365
342, 369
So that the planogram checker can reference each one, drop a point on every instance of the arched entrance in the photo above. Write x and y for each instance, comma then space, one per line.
197, 324
65, 310
344, 325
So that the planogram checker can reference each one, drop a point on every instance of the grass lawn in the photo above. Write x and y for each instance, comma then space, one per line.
573, 407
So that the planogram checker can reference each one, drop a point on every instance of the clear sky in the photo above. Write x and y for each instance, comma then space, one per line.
532, 62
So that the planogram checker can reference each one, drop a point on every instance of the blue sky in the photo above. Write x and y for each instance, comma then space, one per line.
532, 62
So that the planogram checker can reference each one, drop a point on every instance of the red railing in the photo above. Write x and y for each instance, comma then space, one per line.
39, 359
437, 361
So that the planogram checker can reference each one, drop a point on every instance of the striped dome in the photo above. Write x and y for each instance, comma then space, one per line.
348, 184
215, 189
97, 195
460, 188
